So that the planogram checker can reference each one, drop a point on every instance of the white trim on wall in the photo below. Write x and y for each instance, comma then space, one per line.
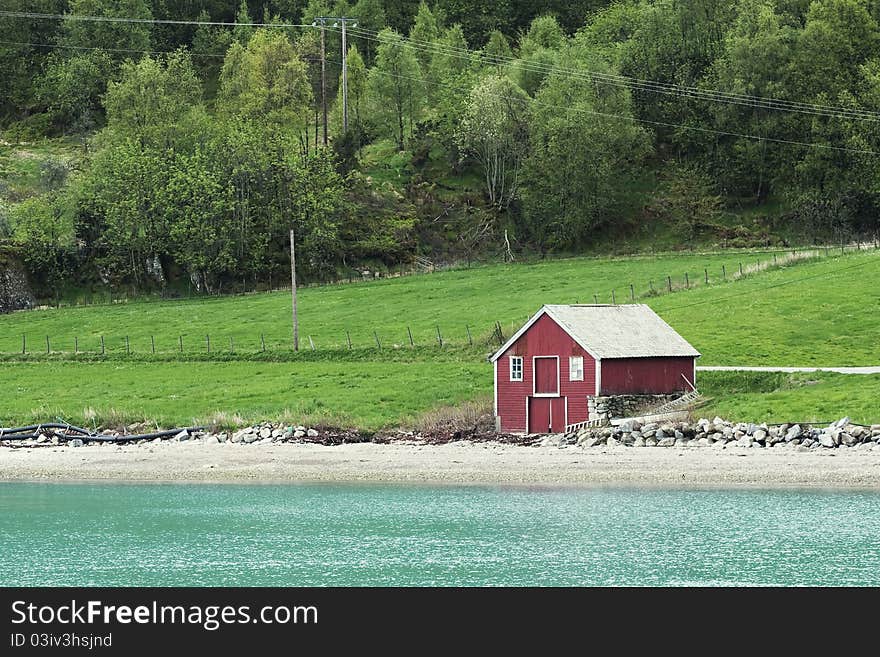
598, 377
495, 384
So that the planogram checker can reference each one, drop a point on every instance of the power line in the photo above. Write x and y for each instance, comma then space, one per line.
133, 50
651, 86
633, 119
711, 95
121, 19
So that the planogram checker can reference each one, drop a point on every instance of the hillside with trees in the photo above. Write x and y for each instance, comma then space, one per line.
152, 144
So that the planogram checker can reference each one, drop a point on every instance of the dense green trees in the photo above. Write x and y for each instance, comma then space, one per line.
565, 118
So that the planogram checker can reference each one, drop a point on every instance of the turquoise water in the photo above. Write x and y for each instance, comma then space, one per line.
83, 534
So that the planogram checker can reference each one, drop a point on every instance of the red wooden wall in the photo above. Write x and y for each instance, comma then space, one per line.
645, 375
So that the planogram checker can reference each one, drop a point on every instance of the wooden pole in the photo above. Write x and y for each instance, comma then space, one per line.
613, 300
439, 337
180, 342
262, 342
102, 345
323, 83
293, 284
411, 341
208, 342
724, 272
76, 344
669, 283
378, 344
127, 345
632, 293
153, 343
311, 343
348, 337
47, 344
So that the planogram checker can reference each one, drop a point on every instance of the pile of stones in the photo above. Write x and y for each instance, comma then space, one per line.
720, 434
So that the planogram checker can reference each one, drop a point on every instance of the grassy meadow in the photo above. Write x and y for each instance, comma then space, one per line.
816, 312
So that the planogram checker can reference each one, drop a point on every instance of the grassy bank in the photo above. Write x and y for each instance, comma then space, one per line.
778, 397
362, 394
806, 303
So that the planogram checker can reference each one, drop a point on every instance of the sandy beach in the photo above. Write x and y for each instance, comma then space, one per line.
453, 463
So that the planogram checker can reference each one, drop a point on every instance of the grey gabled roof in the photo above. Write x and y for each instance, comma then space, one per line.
604, 331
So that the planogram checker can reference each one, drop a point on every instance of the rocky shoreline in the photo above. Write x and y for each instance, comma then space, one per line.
721, 434
703, 433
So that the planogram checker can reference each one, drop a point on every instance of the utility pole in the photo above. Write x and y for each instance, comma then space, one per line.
344, 80
322, 21
323, 82
293, 291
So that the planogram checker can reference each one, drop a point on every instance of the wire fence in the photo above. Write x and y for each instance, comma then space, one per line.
280, 282
230, 343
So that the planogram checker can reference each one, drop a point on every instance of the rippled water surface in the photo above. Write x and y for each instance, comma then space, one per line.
121, 534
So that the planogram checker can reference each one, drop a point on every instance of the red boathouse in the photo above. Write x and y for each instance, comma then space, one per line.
547, 372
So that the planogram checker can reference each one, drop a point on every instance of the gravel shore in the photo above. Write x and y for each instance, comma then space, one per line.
453, 463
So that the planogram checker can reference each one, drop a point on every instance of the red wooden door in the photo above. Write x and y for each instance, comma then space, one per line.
557, 414
539, 414
547, 376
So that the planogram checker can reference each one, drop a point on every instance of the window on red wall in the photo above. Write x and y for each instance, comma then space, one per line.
516, 368
576, 368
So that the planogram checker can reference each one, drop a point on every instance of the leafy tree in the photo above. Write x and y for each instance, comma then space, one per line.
266, 81
209, 46
395, 86
71, 87
44, 230
581, 156
494, 129
425, 31
243, 31
153, 100
539, 53
370, 19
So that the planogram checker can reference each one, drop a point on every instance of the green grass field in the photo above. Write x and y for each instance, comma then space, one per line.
359, 394
828, 319
821, 312
802, 397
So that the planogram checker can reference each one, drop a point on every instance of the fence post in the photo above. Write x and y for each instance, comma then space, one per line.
651, 286
311, 342
47, 345
724, 272
439, 337
613, 300
774, 257
376, 335
669, 283
75, 344
411, 341
262, 342
127, 346
687, 282
740, 269
102, 345
348, 337
153, 343
208, 342
23, 343
632, 292
596, 299
470, 340
180, 342
706, 271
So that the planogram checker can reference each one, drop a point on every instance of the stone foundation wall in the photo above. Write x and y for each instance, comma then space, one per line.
15, 293
613, 406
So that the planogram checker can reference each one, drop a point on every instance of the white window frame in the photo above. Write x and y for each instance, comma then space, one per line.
572, 369
513, 360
